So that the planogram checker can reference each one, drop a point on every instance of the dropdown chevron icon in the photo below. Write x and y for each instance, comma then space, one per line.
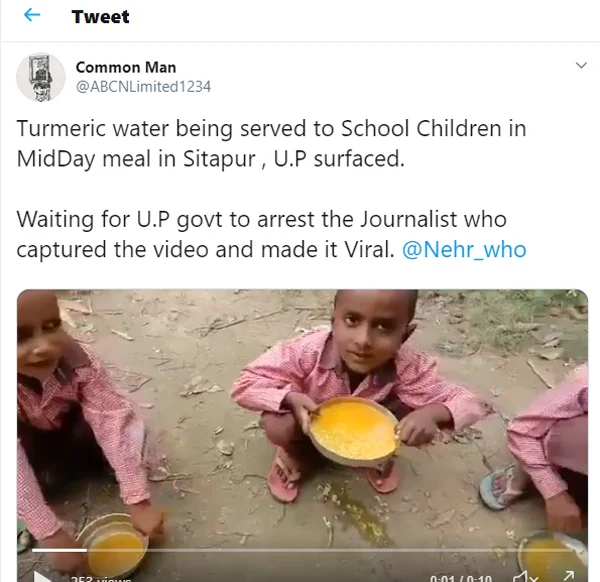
580, 65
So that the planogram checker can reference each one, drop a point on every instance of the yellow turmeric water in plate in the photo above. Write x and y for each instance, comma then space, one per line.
354, 430
547, 564
103, 563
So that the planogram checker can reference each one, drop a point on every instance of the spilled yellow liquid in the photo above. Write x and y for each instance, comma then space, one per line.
354, 430
551, 565
103, 564
370, 524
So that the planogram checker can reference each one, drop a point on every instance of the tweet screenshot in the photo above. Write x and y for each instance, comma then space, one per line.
301, 291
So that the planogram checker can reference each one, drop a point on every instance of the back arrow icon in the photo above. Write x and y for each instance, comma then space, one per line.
29, 14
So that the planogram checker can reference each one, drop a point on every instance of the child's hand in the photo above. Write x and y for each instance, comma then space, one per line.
147, 519
302, 407
64, 562
563, 514
417, 428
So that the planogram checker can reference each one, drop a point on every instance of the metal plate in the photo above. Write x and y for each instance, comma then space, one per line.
374, 463
569, 542
106, 526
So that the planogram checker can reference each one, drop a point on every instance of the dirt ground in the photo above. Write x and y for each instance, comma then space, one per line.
162, 344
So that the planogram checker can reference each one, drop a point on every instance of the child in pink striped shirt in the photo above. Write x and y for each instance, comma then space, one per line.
70, 421
365, 354
550, 442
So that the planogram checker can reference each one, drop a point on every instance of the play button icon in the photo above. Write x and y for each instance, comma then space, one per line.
37, 577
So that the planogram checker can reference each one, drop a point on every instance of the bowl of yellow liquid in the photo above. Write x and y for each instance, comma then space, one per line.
115, 549
354, 432
549, 557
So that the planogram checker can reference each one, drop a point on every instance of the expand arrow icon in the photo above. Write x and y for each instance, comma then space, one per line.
581, 67
570, 575
29, 14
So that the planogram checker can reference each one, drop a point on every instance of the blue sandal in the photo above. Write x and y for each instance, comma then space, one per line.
24, 539
491, 498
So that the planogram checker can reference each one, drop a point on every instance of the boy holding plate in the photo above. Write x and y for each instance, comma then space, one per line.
365, 355
71, 423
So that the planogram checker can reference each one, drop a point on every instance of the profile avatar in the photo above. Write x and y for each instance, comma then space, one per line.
40, 77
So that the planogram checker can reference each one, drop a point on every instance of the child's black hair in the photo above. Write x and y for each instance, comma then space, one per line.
413, 296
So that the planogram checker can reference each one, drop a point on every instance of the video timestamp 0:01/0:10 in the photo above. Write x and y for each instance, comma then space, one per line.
445, 578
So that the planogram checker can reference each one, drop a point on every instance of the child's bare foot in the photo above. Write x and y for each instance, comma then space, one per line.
284, 477
384, 480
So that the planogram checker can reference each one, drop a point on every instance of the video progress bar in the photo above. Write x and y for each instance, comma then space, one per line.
306, 550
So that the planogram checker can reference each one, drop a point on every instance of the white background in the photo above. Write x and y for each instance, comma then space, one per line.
350, 20
545, 184
538, 182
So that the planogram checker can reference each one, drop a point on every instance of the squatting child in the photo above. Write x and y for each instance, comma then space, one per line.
549, 441
70, 423
364, 354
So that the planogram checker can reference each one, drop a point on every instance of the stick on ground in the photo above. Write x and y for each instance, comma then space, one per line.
539, 375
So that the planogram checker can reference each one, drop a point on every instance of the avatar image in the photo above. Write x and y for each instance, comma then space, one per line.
40, 77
